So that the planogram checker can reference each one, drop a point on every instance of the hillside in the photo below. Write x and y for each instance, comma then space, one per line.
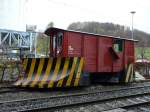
111, 29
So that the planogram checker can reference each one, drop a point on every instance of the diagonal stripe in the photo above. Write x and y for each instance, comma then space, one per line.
79, 72
51, 83
18, 82
26, 72
59, 84
46, 60
30, 73
40, 67
47, 73
131, 76
34, 72
72, 71
25, 62
128, 73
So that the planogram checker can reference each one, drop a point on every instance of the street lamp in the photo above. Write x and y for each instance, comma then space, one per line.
132, 12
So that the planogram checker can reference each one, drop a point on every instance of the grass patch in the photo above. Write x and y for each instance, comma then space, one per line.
138, 51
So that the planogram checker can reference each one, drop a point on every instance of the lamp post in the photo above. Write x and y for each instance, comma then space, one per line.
132, 12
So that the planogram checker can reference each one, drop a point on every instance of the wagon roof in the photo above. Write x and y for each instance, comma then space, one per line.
53, 29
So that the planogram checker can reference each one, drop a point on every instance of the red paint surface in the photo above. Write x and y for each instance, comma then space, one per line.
90, 52
95, 50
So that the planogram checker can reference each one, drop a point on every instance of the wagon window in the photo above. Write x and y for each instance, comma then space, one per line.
54, 42
118, 45
60, 39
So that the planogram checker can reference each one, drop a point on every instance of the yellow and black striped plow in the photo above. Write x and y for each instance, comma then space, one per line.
53, 72
129, 73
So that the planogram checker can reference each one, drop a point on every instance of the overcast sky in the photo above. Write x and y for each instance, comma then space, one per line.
64, 12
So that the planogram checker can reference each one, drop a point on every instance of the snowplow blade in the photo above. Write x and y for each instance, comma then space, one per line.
53, 72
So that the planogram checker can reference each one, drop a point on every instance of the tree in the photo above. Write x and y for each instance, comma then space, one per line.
42, 44
111, 29
142, 49
51, 24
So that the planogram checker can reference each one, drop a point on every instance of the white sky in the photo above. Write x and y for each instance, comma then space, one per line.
64, 12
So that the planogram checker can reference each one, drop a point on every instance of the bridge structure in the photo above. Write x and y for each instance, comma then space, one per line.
16, 40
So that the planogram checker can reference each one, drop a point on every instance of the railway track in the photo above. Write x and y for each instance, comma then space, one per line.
69, 100
141, 106
26, 93
120, 104
7, 90
87, 89
125, 102
11, 91
4, 90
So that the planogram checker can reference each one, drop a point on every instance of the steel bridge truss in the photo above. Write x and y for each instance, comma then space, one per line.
15, 39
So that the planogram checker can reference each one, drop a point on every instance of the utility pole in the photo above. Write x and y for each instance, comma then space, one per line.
132, 12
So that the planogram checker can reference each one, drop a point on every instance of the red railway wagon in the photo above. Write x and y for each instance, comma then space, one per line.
79, 58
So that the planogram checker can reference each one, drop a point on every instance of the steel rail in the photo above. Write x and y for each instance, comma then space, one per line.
87, 93
76, 97
10, 90
127, 106
132, 105
79, 94
136, 105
